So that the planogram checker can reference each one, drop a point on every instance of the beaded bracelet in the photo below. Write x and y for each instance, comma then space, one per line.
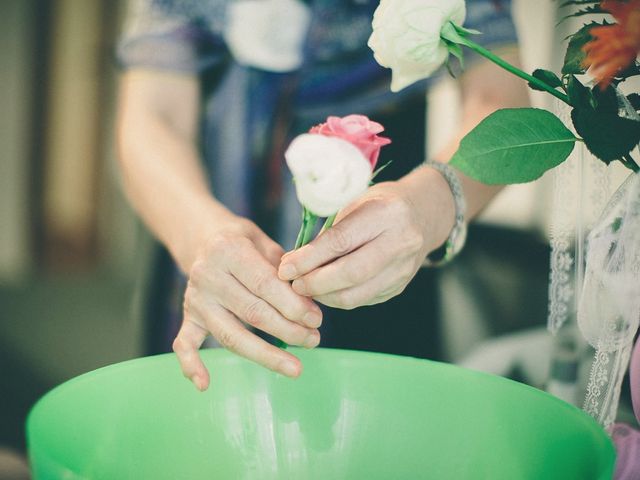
458, 235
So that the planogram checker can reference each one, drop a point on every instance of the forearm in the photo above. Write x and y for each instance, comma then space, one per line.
438, 202
163, 177
167, 189
432, 192
485, 90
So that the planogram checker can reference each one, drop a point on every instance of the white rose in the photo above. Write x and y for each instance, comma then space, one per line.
406, 37
328, 172
267, 34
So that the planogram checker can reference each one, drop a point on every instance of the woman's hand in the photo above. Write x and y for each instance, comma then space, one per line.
380, 241
230, 262
377, 245
233, 283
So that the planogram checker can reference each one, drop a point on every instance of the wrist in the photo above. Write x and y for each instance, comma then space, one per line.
434, 198
191, 233
458, 234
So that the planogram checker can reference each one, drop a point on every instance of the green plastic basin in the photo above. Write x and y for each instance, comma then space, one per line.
351, 415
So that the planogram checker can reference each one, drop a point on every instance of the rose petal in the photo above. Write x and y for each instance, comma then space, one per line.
329, 172
406, 37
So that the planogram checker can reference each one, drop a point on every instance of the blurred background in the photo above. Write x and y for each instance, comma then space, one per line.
68, 241
72, 254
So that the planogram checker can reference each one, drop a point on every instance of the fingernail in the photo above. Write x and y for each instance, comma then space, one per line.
299, 287
312, 319
312, 341
198, 382
288, 271
289, 369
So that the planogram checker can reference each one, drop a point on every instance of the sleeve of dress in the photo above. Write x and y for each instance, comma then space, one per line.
182, 36
493, 18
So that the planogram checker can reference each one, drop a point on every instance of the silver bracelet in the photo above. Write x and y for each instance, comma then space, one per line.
458, 235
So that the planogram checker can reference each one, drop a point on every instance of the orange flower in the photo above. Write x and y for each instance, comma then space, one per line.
616, 46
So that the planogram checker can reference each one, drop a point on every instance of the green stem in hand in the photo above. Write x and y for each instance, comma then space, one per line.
451, 33
300, 236
303, 229
329, 222
311, 224
309, 221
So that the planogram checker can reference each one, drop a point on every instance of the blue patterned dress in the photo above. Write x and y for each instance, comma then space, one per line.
250, 114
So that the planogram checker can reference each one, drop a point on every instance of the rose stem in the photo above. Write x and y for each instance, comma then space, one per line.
306, 215
309, 221
300, 236
512, 69
328, 223
303, 228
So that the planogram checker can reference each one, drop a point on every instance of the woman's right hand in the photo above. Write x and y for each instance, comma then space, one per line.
230, 262
233, 283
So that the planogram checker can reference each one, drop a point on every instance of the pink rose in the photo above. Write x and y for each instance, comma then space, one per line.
358, 130
333, 164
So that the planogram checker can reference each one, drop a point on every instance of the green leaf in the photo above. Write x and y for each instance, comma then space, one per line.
575, 56
379, 170
578, 93
454, 36
596, 119
606, 135
634, 100
607, 101
579, 2
547, 77
450, 33
631, 71
465, 32
590, 10
450, 67
456, 51
514, 146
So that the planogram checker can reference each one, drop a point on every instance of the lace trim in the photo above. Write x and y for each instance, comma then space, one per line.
595, 282
561, 291
605, 384
609, 310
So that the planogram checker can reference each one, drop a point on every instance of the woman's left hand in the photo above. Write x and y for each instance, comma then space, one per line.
376, 245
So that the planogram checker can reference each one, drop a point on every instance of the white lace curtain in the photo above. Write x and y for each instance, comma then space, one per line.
595, 266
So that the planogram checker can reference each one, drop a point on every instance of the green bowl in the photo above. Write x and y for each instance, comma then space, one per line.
351, 415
